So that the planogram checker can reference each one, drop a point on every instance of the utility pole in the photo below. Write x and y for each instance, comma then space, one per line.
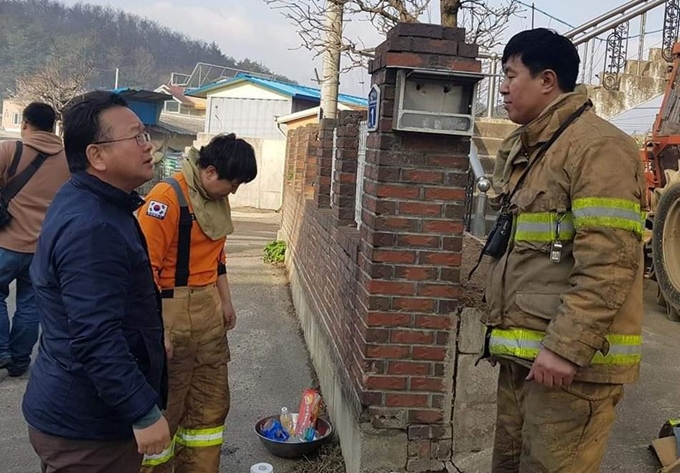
116, 85
533, 14
330, 72
641, 48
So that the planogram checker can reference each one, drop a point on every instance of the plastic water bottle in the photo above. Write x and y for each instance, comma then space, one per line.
286, 420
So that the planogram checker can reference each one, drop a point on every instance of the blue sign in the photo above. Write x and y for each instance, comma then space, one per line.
373, 108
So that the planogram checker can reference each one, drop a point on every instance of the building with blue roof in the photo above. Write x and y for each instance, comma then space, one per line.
249, 105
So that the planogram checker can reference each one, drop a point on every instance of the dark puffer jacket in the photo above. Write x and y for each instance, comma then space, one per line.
101, 364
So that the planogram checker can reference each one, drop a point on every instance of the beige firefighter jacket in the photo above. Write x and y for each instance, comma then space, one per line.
587, 196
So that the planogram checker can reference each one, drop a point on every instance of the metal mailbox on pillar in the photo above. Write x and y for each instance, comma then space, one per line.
435, 101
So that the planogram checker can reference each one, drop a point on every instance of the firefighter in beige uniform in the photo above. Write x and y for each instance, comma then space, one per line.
565, 297
186, 220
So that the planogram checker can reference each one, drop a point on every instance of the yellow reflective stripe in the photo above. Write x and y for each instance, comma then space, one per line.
517, 334
517, 352
609, 222
535, 217
200, 437
622, 204
542, 227
525, 344
611, 359
519, 343
674, 422
607, 212
163, 457
623, 350
630, 340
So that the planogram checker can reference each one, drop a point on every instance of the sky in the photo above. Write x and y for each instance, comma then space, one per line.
251, 29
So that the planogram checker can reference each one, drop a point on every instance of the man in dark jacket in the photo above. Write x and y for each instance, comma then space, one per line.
94, 396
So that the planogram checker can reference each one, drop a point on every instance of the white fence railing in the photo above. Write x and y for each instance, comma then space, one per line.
361, 166
489, 100
335, 152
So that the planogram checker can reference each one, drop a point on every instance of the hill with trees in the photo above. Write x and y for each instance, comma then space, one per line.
82, 45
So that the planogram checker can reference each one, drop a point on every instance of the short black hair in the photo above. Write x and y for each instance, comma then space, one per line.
542, 49
82, 125
234, 158
40, 116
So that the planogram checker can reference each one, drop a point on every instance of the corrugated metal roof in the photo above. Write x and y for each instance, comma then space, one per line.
181, 125
639, 120
176, 92
292, 90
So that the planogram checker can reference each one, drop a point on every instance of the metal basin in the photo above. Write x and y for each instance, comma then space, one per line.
294, 450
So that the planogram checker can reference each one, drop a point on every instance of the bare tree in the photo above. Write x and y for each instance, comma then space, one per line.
449, 11
59, 79
319, 24
309, 18
142, 71
484, 23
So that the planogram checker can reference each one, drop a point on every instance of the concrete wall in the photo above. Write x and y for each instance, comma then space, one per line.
11, 116
266, 191
474, 408
639, 82
246, 116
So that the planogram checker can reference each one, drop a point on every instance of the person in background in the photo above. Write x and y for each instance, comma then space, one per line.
186, 221
94, 398
19, 236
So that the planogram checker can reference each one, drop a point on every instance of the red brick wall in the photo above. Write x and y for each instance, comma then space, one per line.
324, 253
387, 295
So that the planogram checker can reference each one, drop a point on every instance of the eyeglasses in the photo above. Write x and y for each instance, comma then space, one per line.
142, 139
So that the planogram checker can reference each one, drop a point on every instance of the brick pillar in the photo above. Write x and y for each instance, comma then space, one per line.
310, 163
345, 178
412, 227
298, 162
324, 162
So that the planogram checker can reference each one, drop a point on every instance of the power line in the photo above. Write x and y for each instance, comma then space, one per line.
552, 17
533, 7
646, 33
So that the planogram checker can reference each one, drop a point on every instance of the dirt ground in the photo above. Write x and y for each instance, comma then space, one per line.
329, 460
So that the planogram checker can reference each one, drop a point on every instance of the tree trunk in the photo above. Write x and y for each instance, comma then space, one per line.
330, 76
449, 12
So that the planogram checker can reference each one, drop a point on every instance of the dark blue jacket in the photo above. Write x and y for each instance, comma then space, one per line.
101, 363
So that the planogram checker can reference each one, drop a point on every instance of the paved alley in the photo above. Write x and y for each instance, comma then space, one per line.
270, 368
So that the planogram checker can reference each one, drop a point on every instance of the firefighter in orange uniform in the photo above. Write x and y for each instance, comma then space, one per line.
186, 221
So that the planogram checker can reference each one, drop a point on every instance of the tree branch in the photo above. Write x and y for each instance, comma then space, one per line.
485, 24
62, 77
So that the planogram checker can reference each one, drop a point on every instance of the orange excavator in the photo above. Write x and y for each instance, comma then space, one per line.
661, 157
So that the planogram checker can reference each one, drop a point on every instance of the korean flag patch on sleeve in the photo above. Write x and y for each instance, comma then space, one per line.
157, 209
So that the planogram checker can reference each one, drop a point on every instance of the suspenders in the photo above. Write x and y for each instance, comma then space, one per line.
184, 241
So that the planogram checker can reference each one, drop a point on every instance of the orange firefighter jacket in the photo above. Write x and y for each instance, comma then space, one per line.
159, 219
